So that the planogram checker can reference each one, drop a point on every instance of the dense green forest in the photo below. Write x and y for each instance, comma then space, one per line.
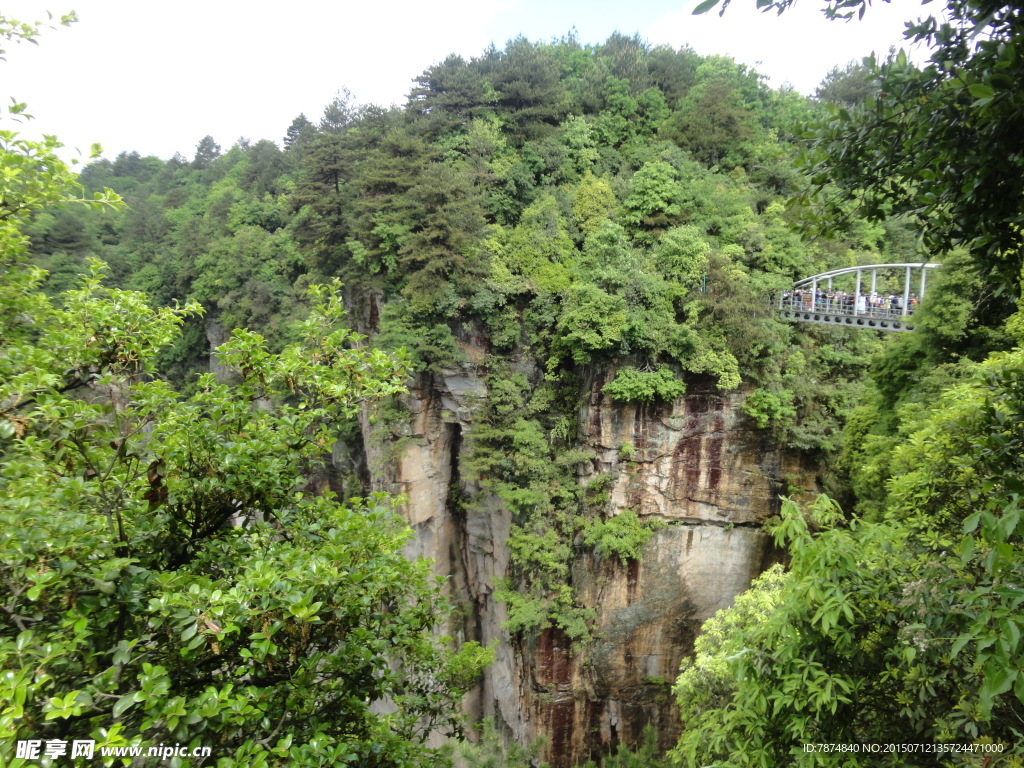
595, 208
612, 211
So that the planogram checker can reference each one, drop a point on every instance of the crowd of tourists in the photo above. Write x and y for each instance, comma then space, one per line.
848, 303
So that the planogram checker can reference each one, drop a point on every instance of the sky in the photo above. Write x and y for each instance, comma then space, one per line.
155, 76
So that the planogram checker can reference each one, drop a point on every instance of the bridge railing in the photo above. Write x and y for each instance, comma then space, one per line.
847, 306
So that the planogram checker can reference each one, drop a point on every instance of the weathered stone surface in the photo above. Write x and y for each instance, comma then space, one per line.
215, 336
698, 464
649, 613
699, 458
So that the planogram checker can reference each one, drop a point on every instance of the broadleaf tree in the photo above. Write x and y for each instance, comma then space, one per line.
901, 629
940, 142
166, 574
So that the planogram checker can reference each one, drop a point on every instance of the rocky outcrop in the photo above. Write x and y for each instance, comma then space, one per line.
699, 460
699, 465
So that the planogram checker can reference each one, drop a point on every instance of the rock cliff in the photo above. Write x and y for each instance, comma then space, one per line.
699, 465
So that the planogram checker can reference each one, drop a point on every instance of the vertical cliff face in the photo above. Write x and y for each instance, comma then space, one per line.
698, 465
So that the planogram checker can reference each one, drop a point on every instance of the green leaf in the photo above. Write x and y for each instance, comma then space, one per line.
971, 522
704, 7
959, 645
123, 703
1012, 631
981, 91
999, 676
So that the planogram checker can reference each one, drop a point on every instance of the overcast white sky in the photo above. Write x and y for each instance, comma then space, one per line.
156, 76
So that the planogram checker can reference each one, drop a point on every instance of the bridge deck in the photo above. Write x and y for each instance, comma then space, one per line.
844, 314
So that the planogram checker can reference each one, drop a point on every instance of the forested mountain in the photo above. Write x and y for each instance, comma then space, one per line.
572, 224
588, 203
610, 208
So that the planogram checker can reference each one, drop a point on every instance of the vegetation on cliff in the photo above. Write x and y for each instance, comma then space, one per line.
609, 210
165, 575
901, 629
572, 221
897, 633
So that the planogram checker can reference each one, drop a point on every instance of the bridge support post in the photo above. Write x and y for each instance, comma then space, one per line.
906, 291
856, 297
924, 271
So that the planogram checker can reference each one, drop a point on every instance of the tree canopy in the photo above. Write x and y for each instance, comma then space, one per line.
940, 142
901, 630
573, 225
612, 210
901, 626
168, 574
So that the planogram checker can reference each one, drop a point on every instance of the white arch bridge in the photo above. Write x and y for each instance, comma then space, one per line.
887, 304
